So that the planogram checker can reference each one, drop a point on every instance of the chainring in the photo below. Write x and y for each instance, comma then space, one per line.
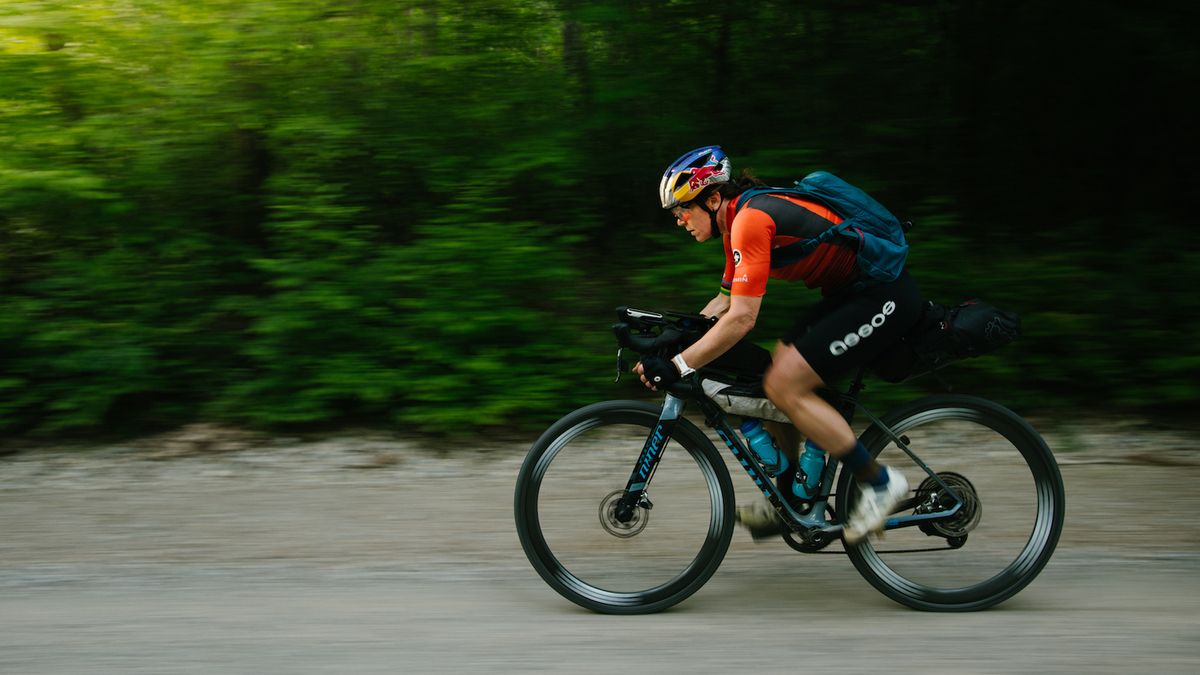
933, 498
612, 525
798, 542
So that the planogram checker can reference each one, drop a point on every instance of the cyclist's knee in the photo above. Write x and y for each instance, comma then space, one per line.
774, 383
789, 375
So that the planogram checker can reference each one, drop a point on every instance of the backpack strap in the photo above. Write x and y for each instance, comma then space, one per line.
786, 255
783, 256
796, 191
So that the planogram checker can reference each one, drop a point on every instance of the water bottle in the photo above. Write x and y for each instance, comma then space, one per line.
808, 475
763, 447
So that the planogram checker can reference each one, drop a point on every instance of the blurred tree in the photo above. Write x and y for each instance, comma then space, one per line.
421, 213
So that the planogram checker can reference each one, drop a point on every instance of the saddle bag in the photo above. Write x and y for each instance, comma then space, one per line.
944, 335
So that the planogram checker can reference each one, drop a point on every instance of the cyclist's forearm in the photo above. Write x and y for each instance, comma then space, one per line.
732, 326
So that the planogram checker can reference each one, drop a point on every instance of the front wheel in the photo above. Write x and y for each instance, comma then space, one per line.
567, 495
1012, 505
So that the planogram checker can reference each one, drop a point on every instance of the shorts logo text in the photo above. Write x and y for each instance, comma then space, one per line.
839, 347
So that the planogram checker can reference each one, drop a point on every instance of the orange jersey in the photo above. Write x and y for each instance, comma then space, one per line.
769, 221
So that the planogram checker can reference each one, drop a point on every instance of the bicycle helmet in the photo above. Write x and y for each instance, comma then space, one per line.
687, 176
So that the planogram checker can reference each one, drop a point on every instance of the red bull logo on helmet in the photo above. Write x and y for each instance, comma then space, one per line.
705, 175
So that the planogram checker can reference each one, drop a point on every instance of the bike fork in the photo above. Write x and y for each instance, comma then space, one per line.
652, 452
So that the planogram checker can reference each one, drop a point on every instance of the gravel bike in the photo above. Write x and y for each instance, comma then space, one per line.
981, 522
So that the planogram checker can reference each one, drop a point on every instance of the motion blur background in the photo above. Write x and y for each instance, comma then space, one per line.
419, 215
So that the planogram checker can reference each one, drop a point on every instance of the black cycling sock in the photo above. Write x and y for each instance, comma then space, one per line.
864, 467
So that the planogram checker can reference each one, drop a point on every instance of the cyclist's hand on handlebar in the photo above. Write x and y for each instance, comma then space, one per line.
657, 372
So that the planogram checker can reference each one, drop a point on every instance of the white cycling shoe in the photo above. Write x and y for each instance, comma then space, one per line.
873, 507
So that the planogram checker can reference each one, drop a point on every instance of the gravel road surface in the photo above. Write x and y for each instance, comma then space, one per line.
208, 551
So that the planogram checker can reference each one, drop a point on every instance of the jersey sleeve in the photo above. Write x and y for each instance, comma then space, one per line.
750, 256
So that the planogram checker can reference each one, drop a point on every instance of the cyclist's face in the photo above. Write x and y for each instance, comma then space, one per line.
697, 222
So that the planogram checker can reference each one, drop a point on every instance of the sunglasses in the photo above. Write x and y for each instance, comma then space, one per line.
681, 212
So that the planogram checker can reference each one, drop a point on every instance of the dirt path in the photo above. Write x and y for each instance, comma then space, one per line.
364, 554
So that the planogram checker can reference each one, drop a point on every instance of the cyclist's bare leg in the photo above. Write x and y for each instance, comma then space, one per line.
791, 384
787, 439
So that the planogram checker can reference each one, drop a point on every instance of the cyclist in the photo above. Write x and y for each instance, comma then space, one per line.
853, 323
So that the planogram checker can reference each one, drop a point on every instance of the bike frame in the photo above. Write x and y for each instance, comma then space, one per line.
814, 520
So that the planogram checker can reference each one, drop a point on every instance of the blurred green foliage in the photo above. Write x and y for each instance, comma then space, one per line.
421, 213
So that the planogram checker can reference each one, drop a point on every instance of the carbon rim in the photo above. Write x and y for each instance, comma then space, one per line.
584, 589
1043, 531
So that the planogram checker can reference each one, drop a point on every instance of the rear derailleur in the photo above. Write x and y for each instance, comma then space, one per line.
933, 497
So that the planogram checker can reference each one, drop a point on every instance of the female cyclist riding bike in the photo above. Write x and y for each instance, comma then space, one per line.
868, 305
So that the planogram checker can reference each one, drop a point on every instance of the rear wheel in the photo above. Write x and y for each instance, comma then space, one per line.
1011, 516
568, 514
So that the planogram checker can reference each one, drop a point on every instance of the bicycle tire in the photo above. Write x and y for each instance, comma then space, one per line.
1048, 508
563, 575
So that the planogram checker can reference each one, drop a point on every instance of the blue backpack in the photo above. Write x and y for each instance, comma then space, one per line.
882, 248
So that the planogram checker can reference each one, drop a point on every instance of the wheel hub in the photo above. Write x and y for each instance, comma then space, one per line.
934, 498
622, 522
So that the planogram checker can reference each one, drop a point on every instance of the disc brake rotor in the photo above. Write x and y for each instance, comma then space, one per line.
613, 525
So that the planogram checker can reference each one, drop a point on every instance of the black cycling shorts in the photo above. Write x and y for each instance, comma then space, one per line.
849, 330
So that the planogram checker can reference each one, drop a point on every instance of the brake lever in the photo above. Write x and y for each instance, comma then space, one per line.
621, 364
